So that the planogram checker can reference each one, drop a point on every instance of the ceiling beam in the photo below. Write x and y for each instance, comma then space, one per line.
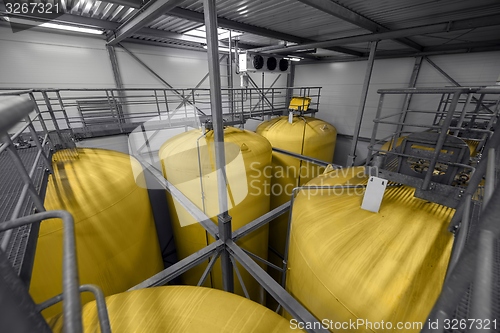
479, 22
144, 17
463, 46
109, 25
129, 3
230, 24
334, 9
487, 46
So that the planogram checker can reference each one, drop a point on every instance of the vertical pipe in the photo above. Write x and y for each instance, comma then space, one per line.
483, 281
461, 237
230, 74
290, 81
482, 301
359, 118
224, 220
490, 182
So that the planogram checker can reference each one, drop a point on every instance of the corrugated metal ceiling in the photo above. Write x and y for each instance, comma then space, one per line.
295, 18
398, 14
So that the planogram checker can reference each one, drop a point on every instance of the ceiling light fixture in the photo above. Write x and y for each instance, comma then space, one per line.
222, 49
55, 26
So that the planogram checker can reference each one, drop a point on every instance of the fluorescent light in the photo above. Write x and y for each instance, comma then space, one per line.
293, 58
222, 49
55, 26
72, 28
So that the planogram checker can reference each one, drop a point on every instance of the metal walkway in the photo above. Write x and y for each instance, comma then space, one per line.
20, 249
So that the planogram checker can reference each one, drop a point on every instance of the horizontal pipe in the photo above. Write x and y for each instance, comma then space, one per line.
12, 110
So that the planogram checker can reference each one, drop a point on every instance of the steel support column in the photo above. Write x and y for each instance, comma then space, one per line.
118, 79
364, 93
224, 220
230, 82
290, 82
407, 100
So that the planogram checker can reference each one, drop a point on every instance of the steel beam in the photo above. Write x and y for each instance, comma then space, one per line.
118, 80
224, 220
260, 221
152, 12
290, 82
341, 12
230, 24
484, 21
361, 109
158, 77
195, 43
307, 158
163, 277
407, 100
129, 3
273, 288
461, 48
449, 78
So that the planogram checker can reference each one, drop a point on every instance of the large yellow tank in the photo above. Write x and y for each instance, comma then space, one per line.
346, 263
176, 309
306, 136
248, 155
117, 245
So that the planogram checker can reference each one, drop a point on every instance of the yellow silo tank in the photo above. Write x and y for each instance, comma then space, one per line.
116, 241
306, 136
346, 263
188, 162
175, 309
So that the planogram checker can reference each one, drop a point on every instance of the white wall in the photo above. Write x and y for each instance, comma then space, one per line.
44, 58
342, 83
35, 59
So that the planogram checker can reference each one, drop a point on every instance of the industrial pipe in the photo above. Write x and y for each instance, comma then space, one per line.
12, 110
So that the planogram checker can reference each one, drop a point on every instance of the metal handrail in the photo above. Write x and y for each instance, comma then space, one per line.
72, 304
